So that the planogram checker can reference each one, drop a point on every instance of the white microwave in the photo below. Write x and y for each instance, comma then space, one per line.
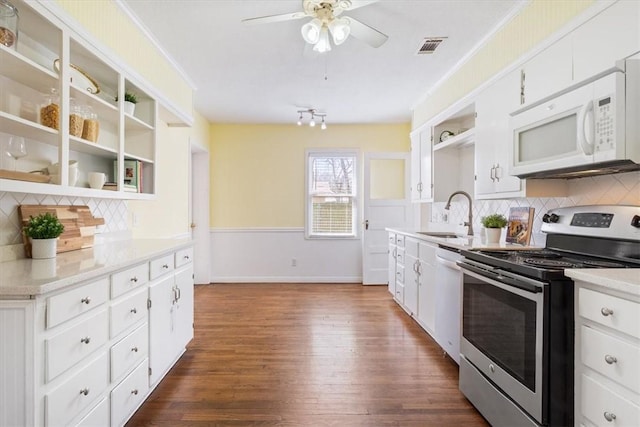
589, 129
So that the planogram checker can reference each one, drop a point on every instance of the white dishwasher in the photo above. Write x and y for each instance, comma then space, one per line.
448, 301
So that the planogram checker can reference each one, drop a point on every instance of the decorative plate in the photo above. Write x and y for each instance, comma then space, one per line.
79, 78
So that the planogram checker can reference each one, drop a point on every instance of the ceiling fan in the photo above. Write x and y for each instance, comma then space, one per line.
325, 20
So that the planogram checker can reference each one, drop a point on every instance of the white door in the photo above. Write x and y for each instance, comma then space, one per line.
199, 206
386, 204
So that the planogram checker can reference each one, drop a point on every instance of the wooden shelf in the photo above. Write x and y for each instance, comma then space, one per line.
104, 110
128, 156
83, 146
23, 70
133, 124
465, 138
18, 126
59, 190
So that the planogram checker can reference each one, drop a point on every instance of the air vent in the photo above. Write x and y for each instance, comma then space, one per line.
429, 45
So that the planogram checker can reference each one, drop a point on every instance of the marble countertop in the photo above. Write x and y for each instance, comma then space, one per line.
621, 279
460, 241
28, 277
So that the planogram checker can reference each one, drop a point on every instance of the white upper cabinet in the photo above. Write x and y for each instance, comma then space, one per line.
610, 36
421, 165
67, 100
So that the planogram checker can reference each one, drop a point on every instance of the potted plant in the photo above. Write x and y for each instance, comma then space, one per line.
43, 229
130, 101
493, 225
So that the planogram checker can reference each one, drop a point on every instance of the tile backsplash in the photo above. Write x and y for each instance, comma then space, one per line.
618, 189
114, 212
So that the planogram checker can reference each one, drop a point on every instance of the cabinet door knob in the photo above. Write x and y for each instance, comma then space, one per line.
186, 257
134, 279
84, 391
609, 416
165, 266
134, 391
134, 349
606, 311
133, 310
85, 340
85, 300
610, 359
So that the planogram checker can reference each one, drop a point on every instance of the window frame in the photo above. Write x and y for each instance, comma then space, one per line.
332, 152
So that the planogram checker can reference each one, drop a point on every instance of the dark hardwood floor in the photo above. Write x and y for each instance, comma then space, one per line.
307, 355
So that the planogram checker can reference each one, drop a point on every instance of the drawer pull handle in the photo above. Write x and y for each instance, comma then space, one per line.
84, 391
134, 279
606, 311
186, 257
134, 391
609, 416
134, 349
133, 310
85, 300
610, 359
85, 340
165, 266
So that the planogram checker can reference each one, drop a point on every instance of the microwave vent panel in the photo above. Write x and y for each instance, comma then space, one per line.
429, 45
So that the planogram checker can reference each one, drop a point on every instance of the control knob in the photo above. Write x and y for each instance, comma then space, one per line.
635, 221
553, 218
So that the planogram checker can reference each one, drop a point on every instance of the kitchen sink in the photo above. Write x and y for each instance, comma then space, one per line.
443, 234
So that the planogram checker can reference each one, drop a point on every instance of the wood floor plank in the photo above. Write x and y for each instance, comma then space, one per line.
307, 355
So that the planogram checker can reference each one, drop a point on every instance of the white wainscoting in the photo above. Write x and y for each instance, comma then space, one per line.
266, 255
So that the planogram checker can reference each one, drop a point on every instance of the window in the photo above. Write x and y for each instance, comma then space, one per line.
331, 194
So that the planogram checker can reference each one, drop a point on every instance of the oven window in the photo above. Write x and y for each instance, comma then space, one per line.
502, 325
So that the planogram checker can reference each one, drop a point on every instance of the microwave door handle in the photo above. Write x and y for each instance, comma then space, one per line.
586, 128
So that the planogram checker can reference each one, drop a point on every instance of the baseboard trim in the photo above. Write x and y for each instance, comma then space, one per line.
285, 279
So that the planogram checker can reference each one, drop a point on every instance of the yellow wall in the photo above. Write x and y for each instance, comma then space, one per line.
257, 171
168, 214
111, 26
537, 21
200, 132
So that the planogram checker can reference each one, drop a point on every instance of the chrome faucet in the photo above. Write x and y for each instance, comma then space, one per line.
470, 220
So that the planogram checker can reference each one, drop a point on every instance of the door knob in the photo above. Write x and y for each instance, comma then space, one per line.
366, 224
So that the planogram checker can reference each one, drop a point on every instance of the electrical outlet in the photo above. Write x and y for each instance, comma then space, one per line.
294, 262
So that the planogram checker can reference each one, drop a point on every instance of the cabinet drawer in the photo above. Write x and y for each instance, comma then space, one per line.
392, 238
611, 357
160, 266
129, 279
400, 240
597, 400
77, 393
129, 351
617, 313
400, 256
75, 343
126, 397
399, 274
400, 293
184, 256
99, 416
128, 312
70, 304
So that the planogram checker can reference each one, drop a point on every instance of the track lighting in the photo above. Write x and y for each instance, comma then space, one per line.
313, 115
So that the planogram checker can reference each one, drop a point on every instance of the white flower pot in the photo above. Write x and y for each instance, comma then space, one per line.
493, 235
44, 248
129, 108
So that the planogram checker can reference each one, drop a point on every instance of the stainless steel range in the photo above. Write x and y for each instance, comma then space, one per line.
516, 362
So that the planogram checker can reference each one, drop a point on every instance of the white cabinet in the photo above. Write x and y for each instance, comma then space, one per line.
411, 276
421, 165
607, 350
80, 355
392, 264
426, 287
170, 315
612, 35
53, 128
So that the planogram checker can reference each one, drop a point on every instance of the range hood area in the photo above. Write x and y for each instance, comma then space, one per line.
585, 170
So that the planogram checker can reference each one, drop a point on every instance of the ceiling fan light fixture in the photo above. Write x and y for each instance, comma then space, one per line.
323, 125
323, 45
311, 31
340, 30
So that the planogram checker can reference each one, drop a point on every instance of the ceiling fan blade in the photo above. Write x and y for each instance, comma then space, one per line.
274, 18
342, 6
361, 3
367, 34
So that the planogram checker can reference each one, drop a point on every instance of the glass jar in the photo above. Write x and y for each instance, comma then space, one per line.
91, 126
8, 24
76, 118
50, 113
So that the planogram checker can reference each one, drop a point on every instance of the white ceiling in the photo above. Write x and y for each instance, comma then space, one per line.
264, 73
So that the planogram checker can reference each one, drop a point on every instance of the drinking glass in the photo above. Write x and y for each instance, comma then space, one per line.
17, 148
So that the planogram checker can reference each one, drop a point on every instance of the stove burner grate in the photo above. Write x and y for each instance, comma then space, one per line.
601, 264
539, 254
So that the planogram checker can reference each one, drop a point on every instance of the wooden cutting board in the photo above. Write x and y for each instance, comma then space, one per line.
79, 225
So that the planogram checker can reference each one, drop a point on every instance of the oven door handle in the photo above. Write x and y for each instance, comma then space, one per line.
501, 276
